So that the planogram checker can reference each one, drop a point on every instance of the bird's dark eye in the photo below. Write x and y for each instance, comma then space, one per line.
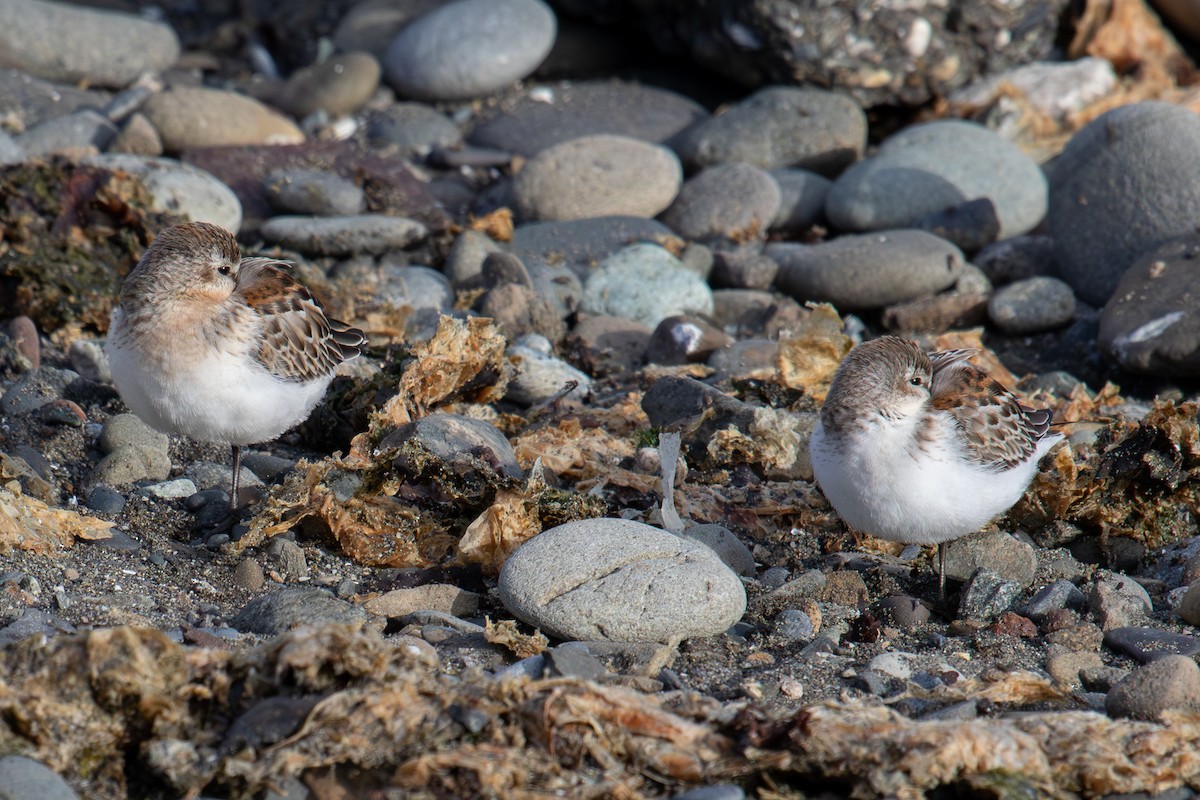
917, 380
225, 269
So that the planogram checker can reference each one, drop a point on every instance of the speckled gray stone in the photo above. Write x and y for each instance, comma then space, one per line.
469, 48
802, 199
541, 375
729, 200
1032, 305
597, 176
929, 167
280, 611
614, 579
1171, 683
1151, 324
66, 43
1144, 151
314, 192
343, 236
645, 283
781, 126
867, 270
23, 778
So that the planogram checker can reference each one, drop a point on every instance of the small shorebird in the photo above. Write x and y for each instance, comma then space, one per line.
218, 347
923, 448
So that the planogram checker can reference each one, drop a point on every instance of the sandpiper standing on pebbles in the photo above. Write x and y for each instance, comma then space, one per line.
218, 347
923, 448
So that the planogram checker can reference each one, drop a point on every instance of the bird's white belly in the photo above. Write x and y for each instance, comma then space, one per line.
886, 488
220, 397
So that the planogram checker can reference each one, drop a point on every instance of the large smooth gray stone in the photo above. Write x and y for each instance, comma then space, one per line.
63, 42
868, 270
1127, 182
470, 48
927, 168
613, 579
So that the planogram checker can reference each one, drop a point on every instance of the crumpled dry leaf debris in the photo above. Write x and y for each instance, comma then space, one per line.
345, 709
521, 645
27, 523
808, 357
1134, 484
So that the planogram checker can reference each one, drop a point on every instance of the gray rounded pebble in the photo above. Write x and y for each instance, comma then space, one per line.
725, 543
179, 188
63, 42
987, 595
1189, 606
72, 132
724, 791
614, 579
729, 200
1149, 644
598, 176
907, 613
1005, 555
340, 85
23, 778
414, 128
171, 490
929, 167
1151, 324
448, 436
470, 48
867, 270
1144, 151
645, 283
343, 236
540, 374
580, 244
128, 430
794, 625
802, 199
415, 287
284, 609
1118, 601
1032, 306
313, 192
1171, 683
781, 126
10, 151
105, 500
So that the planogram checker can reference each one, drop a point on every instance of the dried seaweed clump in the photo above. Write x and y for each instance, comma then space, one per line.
68, 233
1142, 481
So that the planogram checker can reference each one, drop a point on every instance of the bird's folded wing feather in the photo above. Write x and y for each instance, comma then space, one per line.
998, 431
299, 342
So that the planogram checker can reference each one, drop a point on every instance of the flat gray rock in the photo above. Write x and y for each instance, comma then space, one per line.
927, 168
580, 244
867, 270
1151, 324
453, 438
618, 580
645, 283
781, 126
343, 236
529, 125
314, 192
470, 48
1127, 182
64, 42
598, 176
188, 117
76, 131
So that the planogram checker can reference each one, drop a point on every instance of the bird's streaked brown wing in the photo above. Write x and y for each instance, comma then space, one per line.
299, 342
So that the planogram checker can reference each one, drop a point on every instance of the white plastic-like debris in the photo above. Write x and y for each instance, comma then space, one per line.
668, 456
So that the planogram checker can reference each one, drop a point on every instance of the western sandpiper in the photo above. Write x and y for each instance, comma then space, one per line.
923, 448
218, 347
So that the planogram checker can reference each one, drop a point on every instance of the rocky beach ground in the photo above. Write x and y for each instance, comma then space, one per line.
599, 250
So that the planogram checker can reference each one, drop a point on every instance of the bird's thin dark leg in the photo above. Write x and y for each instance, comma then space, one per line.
237, 473
942, 570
